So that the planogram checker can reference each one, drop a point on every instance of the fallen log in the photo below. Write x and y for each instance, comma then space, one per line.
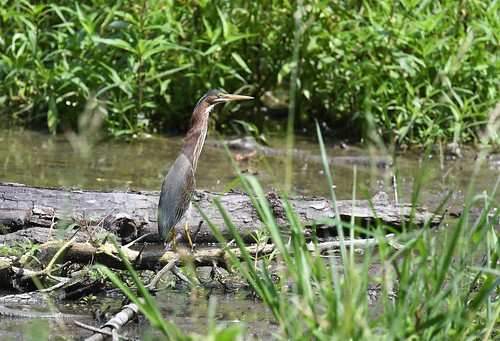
129, 215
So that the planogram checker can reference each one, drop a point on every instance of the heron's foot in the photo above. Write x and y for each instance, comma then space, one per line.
171, 246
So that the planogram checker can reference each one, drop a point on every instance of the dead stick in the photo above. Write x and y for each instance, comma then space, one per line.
163, 271
322, 247
125, 315
48, 268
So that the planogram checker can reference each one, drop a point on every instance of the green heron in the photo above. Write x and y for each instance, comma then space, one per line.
179, 184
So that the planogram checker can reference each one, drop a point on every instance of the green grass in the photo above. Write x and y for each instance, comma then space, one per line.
409, 72
434, 288
146, 304
441, 285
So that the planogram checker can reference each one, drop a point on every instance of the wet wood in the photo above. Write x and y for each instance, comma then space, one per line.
111, 328
20, 313
153, 258
128, 215
26, 298
17, 273
14, 274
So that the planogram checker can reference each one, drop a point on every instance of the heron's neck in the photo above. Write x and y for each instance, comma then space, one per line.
195, 138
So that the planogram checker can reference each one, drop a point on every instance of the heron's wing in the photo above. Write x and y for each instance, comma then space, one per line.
175, 197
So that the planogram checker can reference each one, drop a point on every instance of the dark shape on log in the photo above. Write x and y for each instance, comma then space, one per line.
133, 214
248, 145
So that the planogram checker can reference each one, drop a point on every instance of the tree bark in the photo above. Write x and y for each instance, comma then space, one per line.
130, 215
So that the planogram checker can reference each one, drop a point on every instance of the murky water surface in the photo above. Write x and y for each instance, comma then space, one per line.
38, 159
186, 310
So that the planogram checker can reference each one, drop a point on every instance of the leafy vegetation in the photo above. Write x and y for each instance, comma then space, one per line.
412, 72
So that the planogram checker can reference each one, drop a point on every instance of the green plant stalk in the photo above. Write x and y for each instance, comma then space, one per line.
264, 287
293, 96
352, 223
328, 176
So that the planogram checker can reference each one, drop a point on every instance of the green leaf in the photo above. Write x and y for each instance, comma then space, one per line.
241, 62
119, 43
225, 23
169, 72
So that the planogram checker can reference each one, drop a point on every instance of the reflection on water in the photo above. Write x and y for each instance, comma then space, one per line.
38, 159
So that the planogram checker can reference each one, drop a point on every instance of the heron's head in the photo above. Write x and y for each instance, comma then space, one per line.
214, 97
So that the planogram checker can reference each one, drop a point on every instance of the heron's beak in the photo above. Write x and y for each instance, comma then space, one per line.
231, 97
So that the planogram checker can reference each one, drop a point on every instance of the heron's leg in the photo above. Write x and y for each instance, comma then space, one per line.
186, 229
188, 236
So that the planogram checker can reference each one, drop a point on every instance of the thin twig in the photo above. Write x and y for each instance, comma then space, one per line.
92, 329
102, 331
137, 240
163, 271
52, 224
360, 243
175, 270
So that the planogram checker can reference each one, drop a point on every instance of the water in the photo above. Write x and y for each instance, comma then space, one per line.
187, 311
38, 159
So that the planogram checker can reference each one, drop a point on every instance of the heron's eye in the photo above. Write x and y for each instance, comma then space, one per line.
221, 94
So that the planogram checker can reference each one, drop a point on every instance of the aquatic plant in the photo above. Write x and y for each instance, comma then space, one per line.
431, 287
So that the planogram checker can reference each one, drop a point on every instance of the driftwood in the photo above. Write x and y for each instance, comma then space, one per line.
72, 252
129, 215
72, 227
111, 328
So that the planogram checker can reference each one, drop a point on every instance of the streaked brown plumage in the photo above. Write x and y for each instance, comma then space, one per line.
179, 184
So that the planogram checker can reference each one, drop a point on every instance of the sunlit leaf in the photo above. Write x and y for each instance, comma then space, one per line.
119, 43
241, 62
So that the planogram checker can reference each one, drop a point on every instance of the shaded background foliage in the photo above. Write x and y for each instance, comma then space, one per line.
409, 71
